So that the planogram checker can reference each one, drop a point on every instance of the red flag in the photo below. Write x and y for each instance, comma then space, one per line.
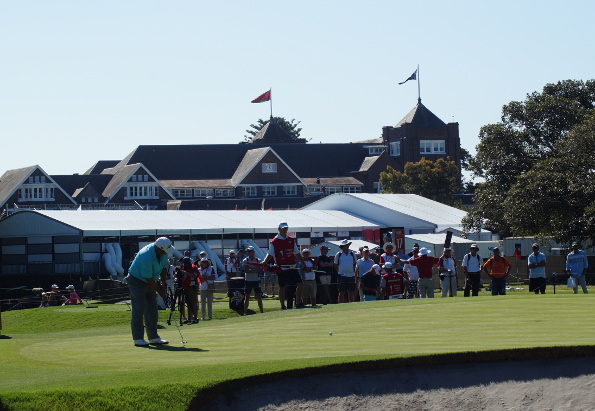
262, 98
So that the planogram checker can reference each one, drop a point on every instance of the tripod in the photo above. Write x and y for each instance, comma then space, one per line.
174, 298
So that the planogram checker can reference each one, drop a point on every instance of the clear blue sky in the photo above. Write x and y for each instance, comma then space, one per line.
83, 81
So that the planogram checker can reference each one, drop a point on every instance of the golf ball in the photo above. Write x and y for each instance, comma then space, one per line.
330, 333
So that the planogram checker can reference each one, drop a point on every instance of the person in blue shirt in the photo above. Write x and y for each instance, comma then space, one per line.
536, 264
576, 266
149, 265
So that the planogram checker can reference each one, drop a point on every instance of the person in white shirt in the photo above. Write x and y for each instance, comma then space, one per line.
536, 264
411, 274
472, 264
309, 277
447, 268
362, 266
232, 265
345, 266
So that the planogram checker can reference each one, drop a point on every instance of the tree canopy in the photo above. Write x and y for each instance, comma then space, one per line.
538, 166
290, 126
437, 180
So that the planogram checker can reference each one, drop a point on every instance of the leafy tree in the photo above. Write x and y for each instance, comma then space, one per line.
520, 150
437, 180
465, 158
291, 127
557, 196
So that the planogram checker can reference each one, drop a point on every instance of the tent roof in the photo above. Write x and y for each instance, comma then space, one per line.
161, 222
394, 210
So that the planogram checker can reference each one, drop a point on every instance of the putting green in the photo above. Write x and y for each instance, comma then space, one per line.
103, 357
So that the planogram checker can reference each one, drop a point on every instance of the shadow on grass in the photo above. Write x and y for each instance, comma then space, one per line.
5, 337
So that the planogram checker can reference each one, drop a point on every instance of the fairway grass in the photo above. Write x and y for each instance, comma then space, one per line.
88, 355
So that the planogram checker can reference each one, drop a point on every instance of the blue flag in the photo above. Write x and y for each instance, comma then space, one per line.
411, 77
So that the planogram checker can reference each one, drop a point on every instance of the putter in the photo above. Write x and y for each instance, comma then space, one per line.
86, 300
183, 342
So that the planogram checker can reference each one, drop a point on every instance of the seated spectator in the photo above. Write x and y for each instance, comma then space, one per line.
73, 298
370, 283
392, 284
53, 297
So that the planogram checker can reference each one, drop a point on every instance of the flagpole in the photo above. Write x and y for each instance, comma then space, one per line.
418, 87
271, 100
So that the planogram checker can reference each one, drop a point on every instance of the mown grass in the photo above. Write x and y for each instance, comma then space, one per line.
73, 357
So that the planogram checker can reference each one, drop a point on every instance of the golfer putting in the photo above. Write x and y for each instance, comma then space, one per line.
149, 265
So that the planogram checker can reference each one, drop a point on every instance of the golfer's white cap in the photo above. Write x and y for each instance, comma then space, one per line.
424, 251
388, 265
164, 244
55, 286
70, 287
283, 224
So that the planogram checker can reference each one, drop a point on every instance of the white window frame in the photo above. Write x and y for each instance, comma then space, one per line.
36, 192
250, 191
352, 189
290, 190
143, 191
269, 191
182, 192
376, 187
333, 189
225, 192
203, 192
376, 150
432, 146
395, 149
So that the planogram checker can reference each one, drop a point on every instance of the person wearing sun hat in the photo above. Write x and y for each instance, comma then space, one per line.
53, 297
345, 262
73, 298
149, 265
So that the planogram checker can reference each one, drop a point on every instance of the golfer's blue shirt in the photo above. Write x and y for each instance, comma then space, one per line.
147, 264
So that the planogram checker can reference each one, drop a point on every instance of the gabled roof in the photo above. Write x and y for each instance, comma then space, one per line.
11, 180
369, 162
421, 116
221, 161
122, 174
251, 159
101, 165
74, 183
273, 133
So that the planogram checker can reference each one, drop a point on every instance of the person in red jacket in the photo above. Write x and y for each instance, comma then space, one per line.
424, 264
188, 276
284, 251
392, 284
